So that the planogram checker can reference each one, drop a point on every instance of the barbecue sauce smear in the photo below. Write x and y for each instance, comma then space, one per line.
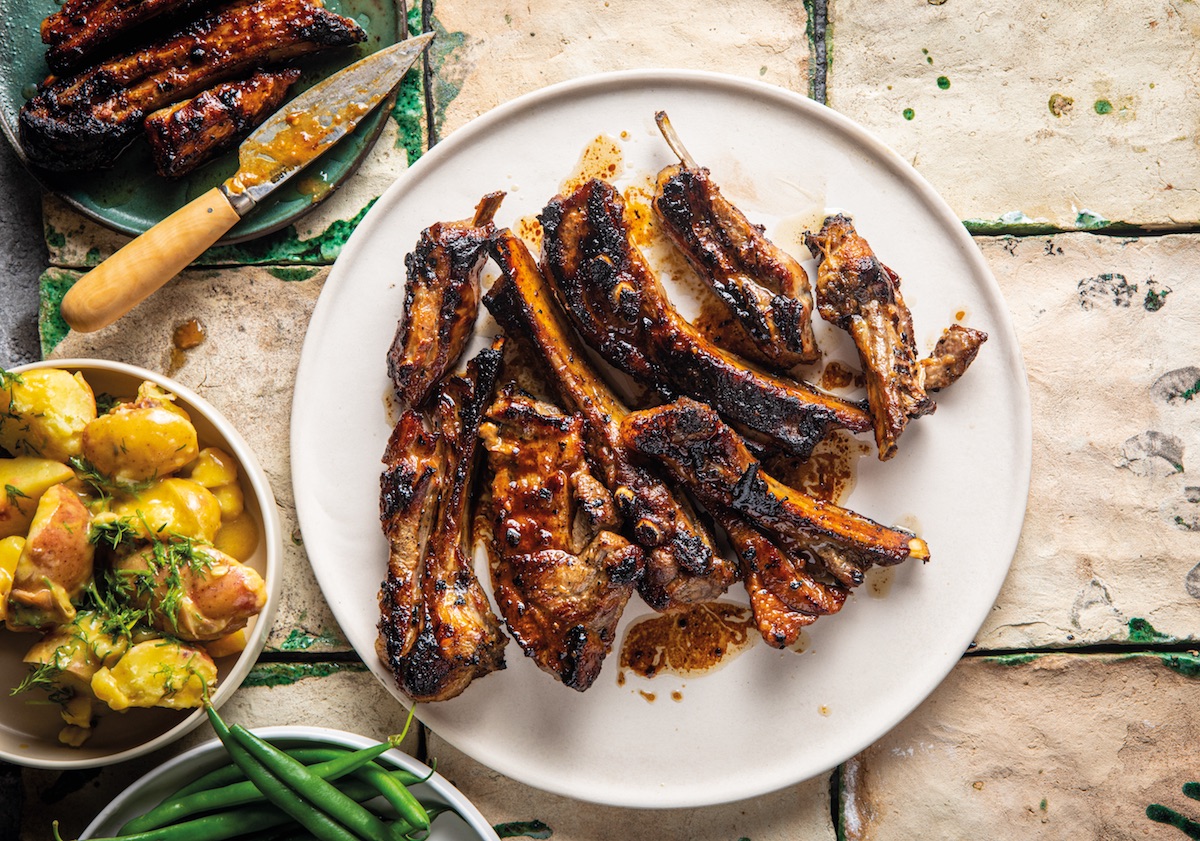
688, 642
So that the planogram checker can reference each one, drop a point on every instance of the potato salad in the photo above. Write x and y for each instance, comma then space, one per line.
122, 547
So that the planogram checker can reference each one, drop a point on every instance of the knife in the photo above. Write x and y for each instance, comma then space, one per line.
290, 139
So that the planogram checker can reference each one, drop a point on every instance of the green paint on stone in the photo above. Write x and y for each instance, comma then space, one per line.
55, 238
286, 674
1103, 106
1142, 631
1191, 790
1012, 659
523, 829
52, 286
301, 640
286, 246
1043, 805
762, 71
449, 72
1187, 665
1156, 299
409, 107
1014, 222
1086, 220
1161, 814
943, 83
92, 258
909, 113
291, 273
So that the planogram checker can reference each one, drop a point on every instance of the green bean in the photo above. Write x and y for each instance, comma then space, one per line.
229, 774
396, 793
315, 790
218, 827
237, 794
275, 790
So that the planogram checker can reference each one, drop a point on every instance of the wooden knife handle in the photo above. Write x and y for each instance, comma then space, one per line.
146, 263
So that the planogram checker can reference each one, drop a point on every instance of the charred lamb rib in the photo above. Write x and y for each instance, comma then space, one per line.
953, 353
760, 284
705, 454
81, 29
617, 304
560, 575
86, 120
682, 564
441, 301
437, 631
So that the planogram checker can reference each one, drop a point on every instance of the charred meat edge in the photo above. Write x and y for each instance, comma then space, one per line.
683, 565
86, 120
190, 133
437, 628
616, 303
560, 576
441, 301
701, 451
952, 355
861, 295
85, 29
762, 286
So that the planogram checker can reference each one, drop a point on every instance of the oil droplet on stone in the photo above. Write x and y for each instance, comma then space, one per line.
694, 640
879, 581
601, 158
189, 334
823, 710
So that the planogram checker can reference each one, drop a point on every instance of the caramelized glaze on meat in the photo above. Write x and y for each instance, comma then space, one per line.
437, 631
762, 286
614, 300
83, 29
441, 301
862, 296
952, 355
701, 451
683, 565
86, 120
560, 575
187, 134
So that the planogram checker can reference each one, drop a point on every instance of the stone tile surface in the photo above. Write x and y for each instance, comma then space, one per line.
513, 48
1109, 332
1055, 112
246, 368
1054, 747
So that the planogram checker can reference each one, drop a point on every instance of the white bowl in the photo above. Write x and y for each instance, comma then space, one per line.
29, 731
465, 824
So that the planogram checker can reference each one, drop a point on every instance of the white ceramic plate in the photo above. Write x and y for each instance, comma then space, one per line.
768, 718
467, 825
28, 729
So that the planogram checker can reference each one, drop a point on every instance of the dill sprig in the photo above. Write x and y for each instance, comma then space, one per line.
44, 676
113, 533
106, 486
8, 379
13, 493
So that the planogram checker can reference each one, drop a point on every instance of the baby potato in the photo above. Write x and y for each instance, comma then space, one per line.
173, 507
23, 480
43, 413
238, 537
55, 564
142, 440
78, 650
213, 468
10, 553
157, 673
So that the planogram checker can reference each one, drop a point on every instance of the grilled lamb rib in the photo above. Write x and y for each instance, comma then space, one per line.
614, 300
187, 134
953, 353
760, 284
441, 301
862, 296
560, 575
86, 120
682, 564
81, 29
701, 451
437, 631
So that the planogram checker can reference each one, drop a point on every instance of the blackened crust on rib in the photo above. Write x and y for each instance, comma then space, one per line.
614, 300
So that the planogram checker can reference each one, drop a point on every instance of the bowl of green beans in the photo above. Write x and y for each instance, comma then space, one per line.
291, 782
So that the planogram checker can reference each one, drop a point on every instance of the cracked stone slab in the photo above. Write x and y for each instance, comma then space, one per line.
292, 694
1034, 747
519, 47
245, 367
801, 811
1030, 112
1110, 333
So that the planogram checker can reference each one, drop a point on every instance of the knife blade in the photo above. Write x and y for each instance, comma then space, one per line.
289, 140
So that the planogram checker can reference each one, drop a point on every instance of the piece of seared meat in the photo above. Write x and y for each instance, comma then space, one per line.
437, 631
613, 298
86, 120
561, 576
702, 452
861, 295
952, 355
187, 134
682, 563
441, 301
84, 29
762, 286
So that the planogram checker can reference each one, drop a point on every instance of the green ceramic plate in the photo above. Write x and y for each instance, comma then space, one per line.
131, 197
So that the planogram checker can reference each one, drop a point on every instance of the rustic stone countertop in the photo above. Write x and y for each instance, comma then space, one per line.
1065, 137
